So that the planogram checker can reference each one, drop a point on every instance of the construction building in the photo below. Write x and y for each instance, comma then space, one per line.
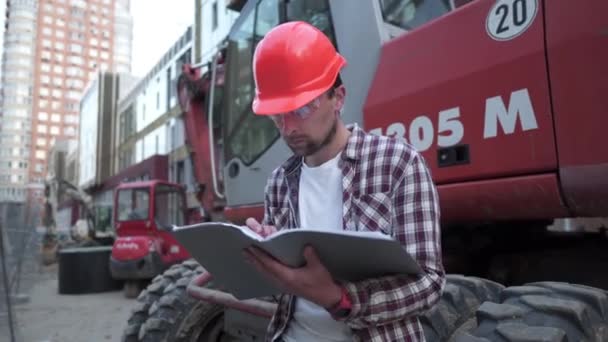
53, 49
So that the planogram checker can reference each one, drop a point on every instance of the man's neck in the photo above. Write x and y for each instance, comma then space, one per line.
330, 150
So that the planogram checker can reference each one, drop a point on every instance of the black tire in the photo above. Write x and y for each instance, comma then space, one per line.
543, 311
178, 317
85, 270
459, 301
150, 295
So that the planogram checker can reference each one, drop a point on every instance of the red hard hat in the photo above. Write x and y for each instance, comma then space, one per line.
292, 65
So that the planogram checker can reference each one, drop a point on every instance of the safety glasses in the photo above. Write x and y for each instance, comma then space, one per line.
301, 113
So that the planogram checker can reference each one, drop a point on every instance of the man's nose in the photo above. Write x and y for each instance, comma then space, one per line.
289, 124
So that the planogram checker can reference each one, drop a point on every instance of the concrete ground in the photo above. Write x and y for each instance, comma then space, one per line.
50, 316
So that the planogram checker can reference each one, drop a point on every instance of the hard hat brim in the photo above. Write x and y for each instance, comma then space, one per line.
280, 105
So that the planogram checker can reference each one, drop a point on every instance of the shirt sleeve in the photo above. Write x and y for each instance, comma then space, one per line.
268, 194
416, 217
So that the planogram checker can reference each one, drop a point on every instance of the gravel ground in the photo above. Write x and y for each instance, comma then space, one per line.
50, 316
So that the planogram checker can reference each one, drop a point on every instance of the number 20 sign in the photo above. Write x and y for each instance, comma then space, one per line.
509, 18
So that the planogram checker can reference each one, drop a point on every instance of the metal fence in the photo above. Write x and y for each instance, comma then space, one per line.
19, 263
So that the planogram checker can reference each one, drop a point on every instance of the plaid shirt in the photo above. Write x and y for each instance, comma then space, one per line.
386, 187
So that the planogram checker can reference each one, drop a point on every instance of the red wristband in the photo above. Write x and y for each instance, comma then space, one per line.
343, 307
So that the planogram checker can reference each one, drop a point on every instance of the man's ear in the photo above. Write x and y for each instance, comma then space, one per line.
340, 96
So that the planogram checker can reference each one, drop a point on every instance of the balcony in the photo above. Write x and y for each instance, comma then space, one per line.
235, 5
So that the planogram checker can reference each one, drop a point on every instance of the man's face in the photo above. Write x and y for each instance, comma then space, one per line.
312, 126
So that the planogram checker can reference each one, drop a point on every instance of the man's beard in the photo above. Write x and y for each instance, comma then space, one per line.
312, 147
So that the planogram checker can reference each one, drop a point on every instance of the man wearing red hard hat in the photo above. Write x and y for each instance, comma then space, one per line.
344, 179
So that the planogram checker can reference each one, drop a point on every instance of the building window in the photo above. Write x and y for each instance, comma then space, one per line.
71, 131
73, 83
76, 36
75, 24
40, 154
45, 56
43, 116
180, 172
73, 71
70, 119
74, 95
55, 117
76, 48
42, 129
76, 60
55, 130
214, 16
72, 106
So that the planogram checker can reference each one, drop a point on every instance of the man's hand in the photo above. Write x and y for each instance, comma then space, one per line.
312, 281
261, 230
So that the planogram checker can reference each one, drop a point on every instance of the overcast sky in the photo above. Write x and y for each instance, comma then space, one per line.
157, 24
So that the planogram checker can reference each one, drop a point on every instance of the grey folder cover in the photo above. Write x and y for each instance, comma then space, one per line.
349, 256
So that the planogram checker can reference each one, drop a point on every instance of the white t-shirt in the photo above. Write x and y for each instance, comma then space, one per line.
320, 207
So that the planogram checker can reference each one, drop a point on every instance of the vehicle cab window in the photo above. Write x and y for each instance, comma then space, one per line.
169, 207
248, 135
133, 204
315, 12
406, 15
